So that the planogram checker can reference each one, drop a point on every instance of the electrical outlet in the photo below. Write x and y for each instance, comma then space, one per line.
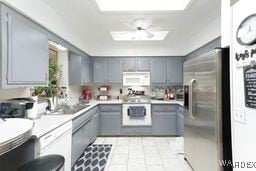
239, 116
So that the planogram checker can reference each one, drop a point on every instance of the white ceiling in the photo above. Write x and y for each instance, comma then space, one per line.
94, 27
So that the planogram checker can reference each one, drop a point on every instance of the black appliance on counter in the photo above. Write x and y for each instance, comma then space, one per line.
16, 107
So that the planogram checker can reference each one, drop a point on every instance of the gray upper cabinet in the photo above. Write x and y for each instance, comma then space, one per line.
79, 69
99, 70
129, 64
25, 54
143, 64
175, 70
75, 69
86, 70
158, 70
114, 74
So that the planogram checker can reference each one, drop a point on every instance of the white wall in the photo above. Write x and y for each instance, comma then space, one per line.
244, 139
202, 37
225, 23
63, 62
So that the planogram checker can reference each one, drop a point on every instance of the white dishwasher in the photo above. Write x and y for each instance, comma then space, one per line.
58, 142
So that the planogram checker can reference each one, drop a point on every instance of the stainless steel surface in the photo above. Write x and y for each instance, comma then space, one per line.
191, 95
203, 120
189, 129
69, 110
136, 99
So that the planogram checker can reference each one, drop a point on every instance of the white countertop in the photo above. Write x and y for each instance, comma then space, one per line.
48, 123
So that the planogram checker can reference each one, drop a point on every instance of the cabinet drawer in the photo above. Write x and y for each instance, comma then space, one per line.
83, 117
137, 130
164, 108
110, 108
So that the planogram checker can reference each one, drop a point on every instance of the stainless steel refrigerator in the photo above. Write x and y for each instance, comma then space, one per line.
207, 125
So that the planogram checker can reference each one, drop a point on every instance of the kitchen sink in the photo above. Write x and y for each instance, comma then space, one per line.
69, 110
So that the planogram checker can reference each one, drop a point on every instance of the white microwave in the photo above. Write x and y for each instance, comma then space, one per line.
136, 78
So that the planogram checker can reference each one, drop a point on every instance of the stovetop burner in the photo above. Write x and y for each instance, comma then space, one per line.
137, 99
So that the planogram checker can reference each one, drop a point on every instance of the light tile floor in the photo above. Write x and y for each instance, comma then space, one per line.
145, 154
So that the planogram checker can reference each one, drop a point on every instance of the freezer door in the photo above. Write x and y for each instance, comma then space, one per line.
207, 125
189, 131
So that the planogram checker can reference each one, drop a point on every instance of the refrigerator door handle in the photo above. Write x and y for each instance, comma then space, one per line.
191, 100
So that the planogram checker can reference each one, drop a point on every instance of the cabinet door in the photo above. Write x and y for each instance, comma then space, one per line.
99, 70
164, 124
114, 71
175, 70
110, 123
158, 70
27, 51
80, 140
129, 64
75, 69
143, 64
86, 70
95, 127
180, 124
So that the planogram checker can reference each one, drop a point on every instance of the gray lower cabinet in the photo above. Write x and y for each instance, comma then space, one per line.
180, 121
99, 70
136, 130
158, 70
110, 119
110, 123
114, 73
164, 124
164, 118
81, 139
175, 70
95, 132
24, 53
85, 130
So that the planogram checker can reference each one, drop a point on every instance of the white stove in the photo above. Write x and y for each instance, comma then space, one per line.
137, 111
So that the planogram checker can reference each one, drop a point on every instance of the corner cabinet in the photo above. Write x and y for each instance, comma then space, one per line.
24, 51
79, 69
175, 70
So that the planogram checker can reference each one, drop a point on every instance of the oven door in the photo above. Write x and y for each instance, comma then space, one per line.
136, 115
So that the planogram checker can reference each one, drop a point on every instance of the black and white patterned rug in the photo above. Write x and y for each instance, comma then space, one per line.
94, 158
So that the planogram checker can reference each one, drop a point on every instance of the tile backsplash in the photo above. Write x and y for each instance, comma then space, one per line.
12, 93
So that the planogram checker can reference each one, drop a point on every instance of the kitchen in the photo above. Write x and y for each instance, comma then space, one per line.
152, 88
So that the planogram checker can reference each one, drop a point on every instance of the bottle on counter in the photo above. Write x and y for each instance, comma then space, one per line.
166, 95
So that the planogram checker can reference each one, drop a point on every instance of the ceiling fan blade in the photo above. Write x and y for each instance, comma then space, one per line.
149, 34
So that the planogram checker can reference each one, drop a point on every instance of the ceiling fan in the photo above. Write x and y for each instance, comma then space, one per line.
140, 27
